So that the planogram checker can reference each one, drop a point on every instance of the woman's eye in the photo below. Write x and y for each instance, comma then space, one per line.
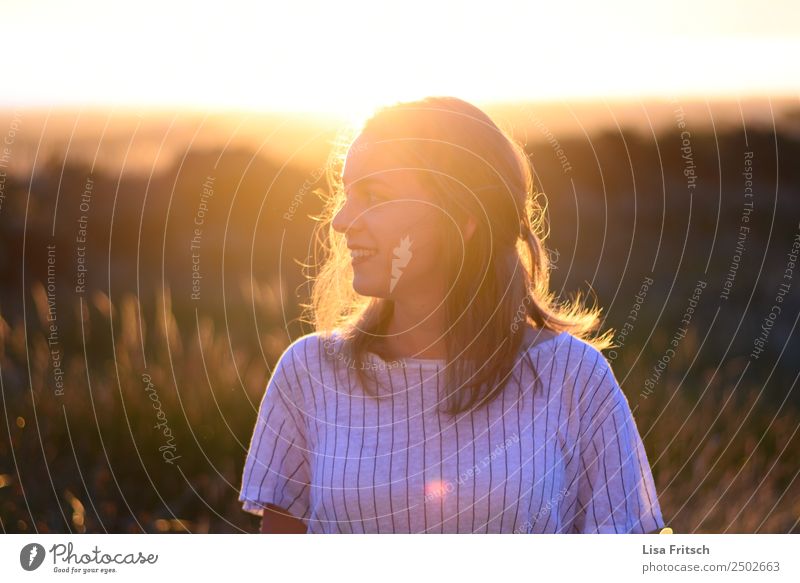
367, 196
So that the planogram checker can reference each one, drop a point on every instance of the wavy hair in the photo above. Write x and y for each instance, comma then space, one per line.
473, 168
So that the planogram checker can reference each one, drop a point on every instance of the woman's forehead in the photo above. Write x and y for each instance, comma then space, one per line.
383, 159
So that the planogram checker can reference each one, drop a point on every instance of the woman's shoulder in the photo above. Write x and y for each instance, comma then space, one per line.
309, 347
558, 345
564, 345
593, 387
579, 367
535, 338
305, 355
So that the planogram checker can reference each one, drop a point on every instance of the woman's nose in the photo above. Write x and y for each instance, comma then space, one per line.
343, 218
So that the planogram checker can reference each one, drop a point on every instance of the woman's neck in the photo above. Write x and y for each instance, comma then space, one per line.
414, 331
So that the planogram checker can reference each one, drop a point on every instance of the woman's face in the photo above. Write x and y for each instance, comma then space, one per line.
394, 220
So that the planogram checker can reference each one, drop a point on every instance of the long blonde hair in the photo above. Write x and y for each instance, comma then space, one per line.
474, 169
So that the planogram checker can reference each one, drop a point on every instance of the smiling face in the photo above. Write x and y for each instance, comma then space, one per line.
392, 216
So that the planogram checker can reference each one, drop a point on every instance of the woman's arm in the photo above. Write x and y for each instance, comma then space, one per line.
276, 475
278, 521
616, 490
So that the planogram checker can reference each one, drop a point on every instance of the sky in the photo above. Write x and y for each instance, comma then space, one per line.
346, 56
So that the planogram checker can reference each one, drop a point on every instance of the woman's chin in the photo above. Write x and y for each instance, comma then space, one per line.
365, 287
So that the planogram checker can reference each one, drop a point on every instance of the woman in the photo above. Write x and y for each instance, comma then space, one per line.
445, 390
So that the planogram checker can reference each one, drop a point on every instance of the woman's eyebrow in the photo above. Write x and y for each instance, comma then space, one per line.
370, 179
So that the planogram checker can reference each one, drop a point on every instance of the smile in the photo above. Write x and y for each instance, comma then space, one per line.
362, 252
359, 255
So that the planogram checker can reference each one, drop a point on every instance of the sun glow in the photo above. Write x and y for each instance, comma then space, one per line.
346, 57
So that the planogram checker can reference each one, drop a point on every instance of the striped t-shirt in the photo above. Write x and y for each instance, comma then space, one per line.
562, 455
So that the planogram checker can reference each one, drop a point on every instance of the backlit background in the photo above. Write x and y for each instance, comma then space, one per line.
123, 125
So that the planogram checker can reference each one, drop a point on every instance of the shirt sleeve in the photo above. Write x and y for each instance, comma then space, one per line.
276, 470
616, 492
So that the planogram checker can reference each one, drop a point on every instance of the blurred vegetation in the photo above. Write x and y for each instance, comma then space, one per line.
89, 460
